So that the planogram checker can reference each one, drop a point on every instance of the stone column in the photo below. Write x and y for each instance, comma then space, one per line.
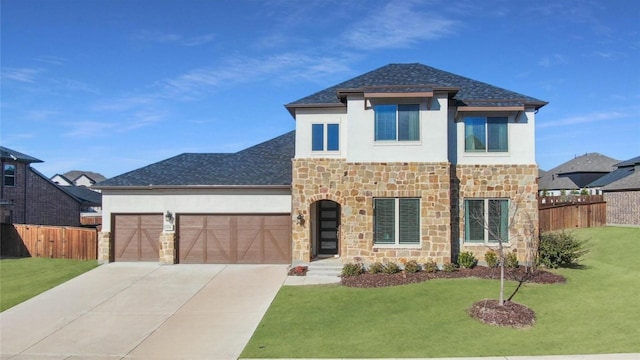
104, 247
168, 248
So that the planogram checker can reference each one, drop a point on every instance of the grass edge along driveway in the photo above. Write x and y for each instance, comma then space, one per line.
24, 278
597, 311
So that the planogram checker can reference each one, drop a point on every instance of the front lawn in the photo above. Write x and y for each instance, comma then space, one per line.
24, 278
596, 311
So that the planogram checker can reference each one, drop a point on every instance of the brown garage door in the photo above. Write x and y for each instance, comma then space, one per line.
234, 239
136, 237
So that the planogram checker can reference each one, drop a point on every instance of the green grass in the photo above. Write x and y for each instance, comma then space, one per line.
22, 279
597, 311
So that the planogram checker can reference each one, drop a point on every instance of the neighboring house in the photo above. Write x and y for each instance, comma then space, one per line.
29, 197
576, 174
78, 178
387, 166
621, 190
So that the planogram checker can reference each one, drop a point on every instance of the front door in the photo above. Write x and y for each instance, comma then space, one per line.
328, 227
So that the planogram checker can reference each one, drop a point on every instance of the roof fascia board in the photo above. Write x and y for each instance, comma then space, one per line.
192, 187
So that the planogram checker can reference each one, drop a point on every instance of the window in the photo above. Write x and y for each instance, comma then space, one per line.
9, 174
486, 134
486, 220
396, 221
397, 122
322, 132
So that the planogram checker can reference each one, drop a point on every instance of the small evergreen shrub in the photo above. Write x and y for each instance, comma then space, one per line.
376, 268
352, 269
430, 266
411, 267
391, 268
559, 249
467, 260
511, 261
491, 258
450, 267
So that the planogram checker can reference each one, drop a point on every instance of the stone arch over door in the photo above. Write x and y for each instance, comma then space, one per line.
302, 230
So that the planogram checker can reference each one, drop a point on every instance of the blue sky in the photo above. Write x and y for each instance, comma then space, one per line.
113, 85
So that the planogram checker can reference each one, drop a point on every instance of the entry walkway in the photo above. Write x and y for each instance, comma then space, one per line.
143, 311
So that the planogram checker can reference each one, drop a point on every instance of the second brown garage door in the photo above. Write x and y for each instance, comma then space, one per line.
234, 239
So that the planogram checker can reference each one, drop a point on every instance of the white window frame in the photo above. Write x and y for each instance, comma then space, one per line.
325, 137
485, 241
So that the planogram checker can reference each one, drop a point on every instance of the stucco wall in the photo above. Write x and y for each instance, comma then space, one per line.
194, 201
521, 141
357, 126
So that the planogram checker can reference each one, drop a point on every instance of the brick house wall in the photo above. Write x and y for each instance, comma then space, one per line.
623, 207
35, 200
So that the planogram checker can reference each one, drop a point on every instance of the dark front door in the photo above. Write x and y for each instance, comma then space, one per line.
328, 225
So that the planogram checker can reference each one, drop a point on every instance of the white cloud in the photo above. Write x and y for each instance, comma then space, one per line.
87, 128
172, 38
398, 24
553, 60
585, 119
26, 75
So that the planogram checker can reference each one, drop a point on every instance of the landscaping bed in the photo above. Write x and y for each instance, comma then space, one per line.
368, 280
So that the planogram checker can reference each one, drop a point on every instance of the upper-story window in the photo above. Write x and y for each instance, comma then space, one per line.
325, 137
397, 122
9, 175
482, 134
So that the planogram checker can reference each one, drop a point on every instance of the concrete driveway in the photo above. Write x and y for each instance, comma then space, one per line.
143, 311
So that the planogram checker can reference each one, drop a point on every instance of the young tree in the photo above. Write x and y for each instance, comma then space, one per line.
499, 221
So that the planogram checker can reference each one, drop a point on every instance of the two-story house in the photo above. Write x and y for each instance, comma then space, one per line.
29, 197
404, 162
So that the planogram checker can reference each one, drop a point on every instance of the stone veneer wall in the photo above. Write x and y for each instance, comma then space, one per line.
354, 186
623, 207
515, 182
104, 247
167, 248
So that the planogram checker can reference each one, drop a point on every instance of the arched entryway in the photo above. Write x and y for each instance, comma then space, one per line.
325, 229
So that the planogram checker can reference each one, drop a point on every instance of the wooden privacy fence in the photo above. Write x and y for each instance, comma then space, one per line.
60, 242
570, 212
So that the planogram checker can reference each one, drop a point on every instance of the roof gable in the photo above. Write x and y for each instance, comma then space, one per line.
12, 155
265, 164
557, 178
419, 78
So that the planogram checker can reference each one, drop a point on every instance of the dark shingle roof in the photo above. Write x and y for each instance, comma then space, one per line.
75, 174
587, 163
614, 179
88, 197
630, 182
420, 78
8, 154
265, 164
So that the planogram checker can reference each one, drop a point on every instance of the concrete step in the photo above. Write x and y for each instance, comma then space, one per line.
325, 267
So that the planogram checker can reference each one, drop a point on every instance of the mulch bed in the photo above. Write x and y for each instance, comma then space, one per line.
510, 314
519, 274
488, 311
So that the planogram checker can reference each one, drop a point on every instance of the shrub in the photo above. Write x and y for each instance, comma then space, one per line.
491, 258
411, 267
450, 267
376, 268
558, 249
467, 260
430, 266
391, 268
511, 261
352, 269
